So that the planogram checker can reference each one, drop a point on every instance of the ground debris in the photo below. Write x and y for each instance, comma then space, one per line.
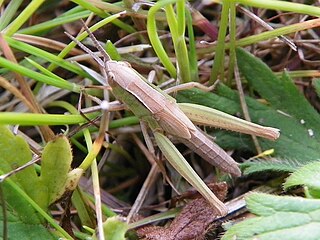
192, 223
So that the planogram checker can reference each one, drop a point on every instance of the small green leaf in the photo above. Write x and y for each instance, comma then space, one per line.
55, 166
112, 51
285, 218
309, 176
114, 229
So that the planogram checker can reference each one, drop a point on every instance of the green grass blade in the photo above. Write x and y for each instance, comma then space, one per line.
9, 13
46, 26
154, 38
218, 64
45, 55
38, 76
23, 17
82, 36
193, 61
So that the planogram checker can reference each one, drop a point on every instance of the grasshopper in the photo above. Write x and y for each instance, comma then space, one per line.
164, 116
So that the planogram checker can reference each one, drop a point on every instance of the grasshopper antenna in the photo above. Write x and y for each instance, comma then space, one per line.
84, 48
103, 52
102, 63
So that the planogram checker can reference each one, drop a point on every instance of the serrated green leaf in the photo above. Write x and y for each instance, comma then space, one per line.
294, 143
281, 93
299, 139
15, 152
55, 165
280, 165
18, 229
308, 175
286, 218
316, 84
19, 205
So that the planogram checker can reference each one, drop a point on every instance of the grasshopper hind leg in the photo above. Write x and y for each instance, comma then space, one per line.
211, 152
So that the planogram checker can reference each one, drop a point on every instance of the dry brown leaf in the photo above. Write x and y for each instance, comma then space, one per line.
192, 222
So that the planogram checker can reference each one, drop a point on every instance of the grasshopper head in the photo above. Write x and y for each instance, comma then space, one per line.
122, 72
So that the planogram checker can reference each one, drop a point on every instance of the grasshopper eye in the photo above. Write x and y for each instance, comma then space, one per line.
111, 76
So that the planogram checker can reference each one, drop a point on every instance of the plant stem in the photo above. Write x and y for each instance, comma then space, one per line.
268, 35
218, 67
154, 38
23, 17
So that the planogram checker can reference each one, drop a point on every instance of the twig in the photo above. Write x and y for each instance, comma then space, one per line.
243, 104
